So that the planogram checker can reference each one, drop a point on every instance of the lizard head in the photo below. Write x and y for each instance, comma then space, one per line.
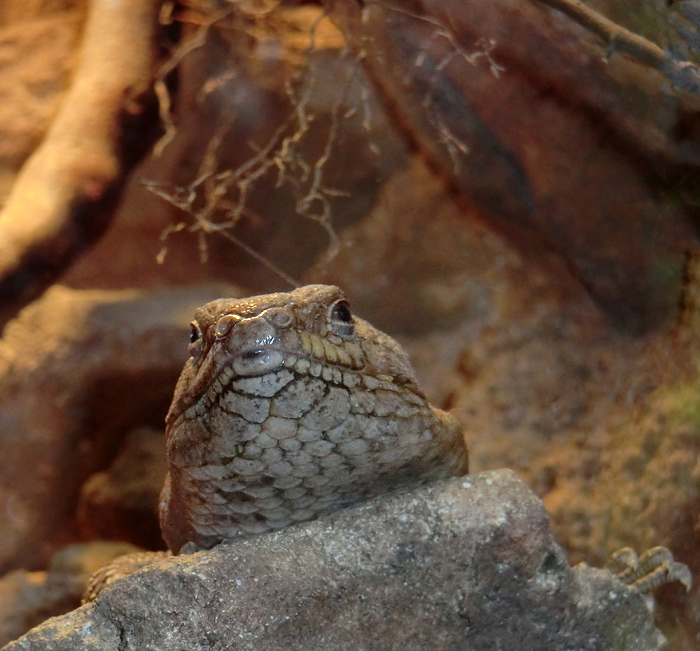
310, 330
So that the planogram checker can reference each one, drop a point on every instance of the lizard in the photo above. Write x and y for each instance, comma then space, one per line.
289, 407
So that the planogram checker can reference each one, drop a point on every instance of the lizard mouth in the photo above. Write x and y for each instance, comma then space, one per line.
256, 361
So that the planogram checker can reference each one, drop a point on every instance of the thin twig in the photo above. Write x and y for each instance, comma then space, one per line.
684, 75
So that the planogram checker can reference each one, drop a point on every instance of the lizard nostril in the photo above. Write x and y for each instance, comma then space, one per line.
225, 324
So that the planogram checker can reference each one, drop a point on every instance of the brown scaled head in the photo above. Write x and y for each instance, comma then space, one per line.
253, 336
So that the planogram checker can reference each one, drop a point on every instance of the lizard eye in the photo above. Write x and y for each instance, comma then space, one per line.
341, 312
195, 332
341, 319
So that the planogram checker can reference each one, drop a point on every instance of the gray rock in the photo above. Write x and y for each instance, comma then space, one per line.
29, 598
463, 564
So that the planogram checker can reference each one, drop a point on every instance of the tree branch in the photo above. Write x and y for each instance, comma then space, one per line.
63, 196
684, 75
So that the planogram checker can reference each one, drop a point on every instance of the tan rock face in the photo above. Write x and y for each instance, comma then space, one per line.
121, 503
103, 363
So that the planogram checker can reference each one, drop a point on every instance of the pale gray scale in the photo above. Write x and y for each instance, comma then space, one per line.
389, 386
327, 373
298, 397
346, 431
409, 440
244, 365
320, 448
299, 458
279, 470
305, 471
228, 430
305, 501
217, 497
386, 431
241, 507
370, 382
418, 427
276, 515
258, 492
253, 409
199, 509
247, 467
266, 386
272, 455
337, 375
287, 482
252, 451
332, 410
358, 447
290, 445
316, 481
427, 435
332, 460
388, 403
265, 441
370, 426
231, 485
362, 401
203, 520
351, 379
415, 399
280, 428
308, 435
295, 493
279, 523
338, 472
269, 503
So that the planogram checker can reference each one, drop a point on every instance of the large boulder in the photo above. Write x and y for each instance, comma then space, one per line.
466, 564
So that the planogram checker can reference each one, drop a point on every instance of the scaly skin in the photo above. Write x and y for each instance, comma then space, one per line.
289, 407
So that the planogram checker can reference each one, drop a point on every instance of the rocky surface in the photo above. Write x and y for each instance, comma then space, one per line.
600, 422
121, 503
468, 563
503, 96
28, 598
78, 370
